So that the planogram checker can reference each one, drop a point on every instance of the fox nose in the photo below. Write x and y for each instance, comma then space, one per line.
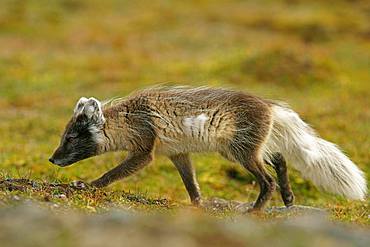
51, 160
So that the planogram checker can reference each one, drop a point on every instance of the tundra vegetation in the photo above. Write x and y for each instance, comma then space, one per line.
313, 55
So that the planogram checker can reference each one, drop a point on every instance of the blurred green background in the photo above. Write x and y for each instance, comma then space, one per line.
312, 54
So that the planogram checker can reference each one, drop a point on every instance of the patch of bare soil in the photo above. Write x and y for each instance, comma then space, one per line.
30, 224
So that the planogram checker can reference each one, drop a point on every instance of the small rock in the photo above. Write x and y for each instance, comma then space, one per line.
243, 207
34, 184
61, 196
296, 209
78, 185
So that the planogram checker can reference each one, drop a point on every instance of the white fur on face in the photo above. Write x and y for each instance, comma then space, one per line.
97, 134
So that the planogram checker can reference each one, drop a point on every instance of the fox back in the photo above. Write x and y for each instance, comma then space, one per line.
194, 120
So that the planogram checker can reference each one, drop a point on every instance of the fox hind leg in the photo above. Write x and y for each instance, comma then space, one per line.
265, 180
279, 164
255, 165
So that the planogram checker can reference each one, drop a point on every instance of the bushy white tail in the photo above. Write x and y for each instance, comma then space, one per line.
318, 160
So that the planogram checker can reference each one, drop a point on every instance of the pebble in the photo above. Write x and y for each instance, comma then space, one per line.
78, 184
61, 196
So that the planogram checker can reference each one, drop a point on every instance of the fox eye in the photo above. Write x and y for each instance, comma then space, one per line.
70, 138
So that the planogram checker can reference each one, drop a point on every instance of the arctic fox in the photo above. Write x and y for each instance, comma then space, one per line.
175, 121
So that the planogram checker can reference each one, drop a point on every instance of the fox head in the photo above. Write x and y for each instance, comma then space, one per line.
82, 134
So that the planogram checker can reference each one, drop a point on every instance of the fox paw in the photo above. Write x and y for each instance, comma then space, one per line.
197, 202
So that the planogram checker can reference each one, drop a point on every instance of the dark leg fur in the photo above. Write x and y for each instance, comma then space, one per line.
187, 173
133, 163
256, 167
265, 181
280, 167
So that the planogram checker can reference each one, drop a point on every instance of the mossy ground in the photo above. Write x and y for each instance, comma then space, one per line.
312, 54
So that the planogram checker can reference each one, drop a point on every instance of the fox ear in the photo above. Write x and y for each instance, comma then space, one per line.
80, 105
91, 108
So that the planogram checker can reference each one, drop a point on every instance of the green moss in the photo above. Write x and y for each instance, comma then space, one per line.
285, 66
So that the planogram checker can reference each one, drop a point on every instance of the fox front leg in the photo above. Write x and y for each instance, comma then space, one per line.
133, 163
187, 173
